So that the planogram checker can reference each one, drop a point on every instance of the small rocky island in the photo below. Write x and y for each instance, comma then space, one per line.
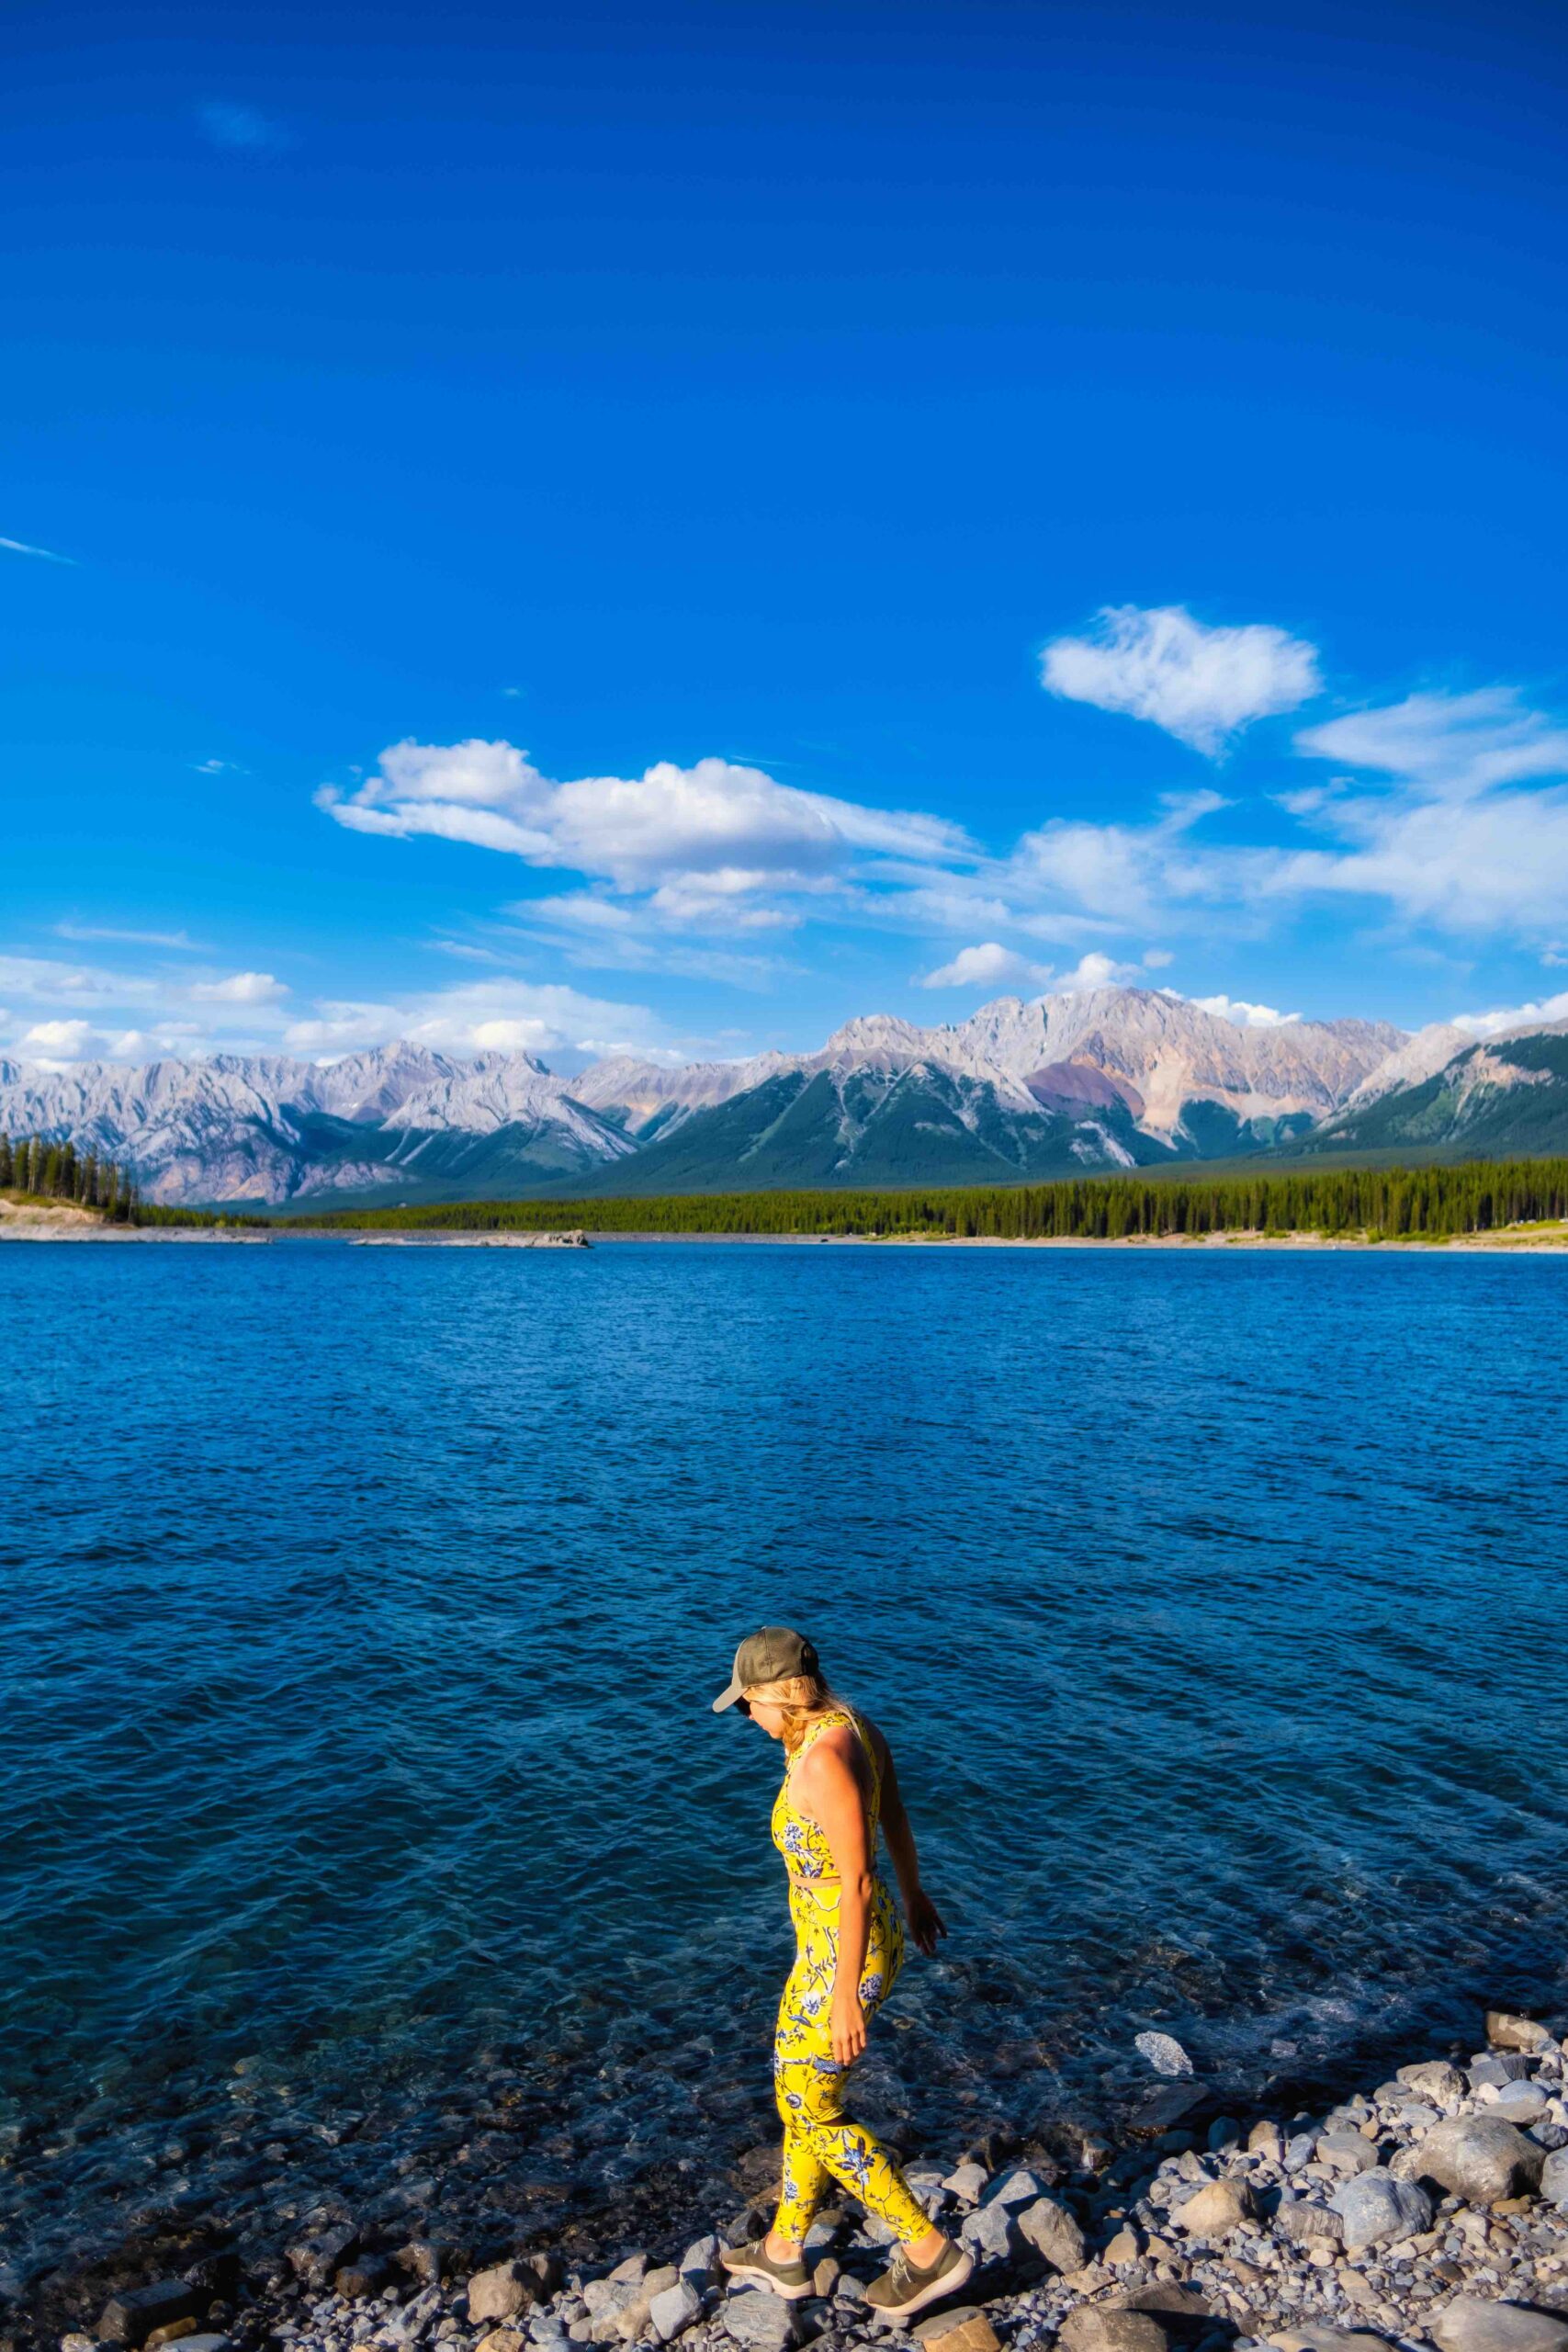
1430, 2212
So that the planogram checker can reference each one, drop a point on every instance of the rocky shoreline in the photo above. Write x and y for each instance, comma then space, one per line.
1430, 2212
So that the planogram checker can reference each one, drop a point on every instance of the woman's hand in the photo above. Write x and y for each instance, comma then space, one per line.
847, 2027
926, 1922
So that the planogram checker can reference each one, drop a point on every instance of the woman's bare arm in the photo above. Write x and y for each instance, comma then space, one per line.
926, 1922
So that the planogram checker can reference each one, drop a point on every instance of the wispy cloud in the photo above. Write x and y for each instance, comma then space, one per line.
45, 554
1202, 685
240, 129
174, 939
217, 767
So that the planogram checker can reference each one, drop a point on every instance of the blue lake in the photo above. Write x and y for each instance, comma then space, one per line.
361, 1609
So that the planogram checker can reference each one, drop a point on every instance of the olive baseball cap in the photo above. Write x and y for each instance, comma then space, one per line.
770, 1655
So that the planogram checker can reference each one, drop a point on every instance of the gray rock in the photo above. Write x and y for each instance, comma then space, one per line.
1491, 2073
1163, 2053
1479, 2157
1015, 2188
201, 2342
673, 2310
1268, 2141
988, 2233
1554, 2180
701, 2257
130, 2317
1300, 2150
1522, 2103
1301, 2220
632, 2321
413, 2322
761, 2321
1090, 2327
1377, 2210
1347, 2151
966, 2180
1054, 2234
1435, 2079
1473, 2324
501, 2292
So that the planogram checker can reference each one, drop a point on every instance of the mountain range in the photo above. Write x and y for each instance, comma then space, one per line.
1102, 1079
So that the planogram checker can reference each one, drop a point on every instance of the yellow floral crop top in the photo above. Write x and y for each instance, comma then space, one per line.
802, 1842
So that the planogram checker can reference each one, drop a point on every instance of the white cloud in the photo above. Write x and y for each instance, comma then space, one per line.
1125, 875
240, 987
709, 847
1451, 747
1091, 971
67, 1039
1201, 685
1517, 1016
989, 965
217, 767
1244, 1015
45, 554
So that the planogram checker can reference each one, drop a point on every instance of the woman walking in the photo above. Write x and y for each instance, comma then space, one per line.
839, 1785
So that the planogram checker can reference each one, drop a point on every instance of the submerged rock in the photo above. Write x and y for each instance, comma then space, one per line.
132, 2317
1163, 2053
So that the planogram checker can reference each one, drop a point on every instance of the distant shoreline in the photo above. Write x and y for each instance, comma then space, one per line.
72, 1227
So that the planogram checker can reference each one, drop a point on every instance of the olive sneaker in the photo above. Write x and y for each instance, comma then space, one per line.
754, 2266
907, 2286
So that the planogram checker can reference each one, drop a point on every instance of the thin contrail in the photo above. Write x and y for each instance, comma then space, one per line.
20, 547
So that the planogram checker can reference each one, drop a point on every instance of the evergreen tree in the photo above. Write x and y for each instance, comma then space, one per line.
5, 1162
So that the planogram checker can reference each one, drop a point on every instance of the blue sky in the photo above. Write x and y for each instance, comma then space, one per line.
668, 528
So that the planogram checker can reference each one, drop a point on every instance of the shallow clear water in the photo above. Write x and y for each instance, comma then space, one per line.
361, 1609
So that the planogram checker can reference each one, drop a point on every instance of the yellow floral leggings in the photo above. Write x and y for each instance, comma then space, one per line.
821, 2142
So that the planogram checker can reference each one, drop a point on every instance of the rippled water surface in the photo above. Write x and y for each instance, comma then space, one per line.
364, 1818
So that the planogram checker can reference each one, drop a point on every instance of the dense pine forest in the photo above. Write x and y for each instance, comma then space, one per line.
1385, 1203
36, 1170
